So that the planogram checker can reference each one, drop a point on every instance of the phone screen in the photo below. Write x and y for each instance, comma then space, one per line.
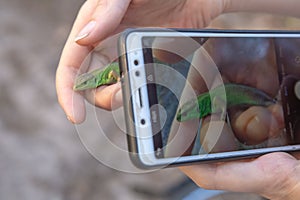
222, 94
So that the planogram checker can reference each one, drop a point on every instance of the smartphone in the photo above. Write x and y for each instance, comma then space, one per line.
193, 96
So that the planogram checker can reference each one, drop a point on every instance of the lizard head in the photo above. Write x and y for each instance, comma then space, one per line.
85, 81
113, 77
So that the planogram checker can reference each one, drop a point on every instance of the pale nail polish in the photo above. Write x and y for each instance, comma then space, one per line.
86, 30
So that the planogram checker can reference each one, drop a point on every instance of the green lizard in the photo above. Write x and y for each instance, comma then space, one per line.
236, 94
211, 102
107, 76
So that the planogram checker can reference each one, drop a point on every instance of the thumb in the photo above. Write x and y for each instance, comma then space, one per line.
105, 19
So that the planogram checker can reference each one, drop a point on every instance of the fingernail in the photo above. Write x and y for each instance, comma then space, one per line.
86, 30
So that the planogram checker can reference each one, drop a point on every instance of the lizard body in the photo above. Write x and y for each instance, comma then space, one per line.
211, 102
107, 76
205, 104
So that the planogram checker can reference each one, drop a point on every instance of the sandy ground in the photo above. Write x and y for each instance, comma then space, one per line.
42, 155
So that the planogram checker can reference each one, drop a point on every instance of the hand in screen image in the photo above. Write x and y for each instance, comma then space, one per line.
250, 116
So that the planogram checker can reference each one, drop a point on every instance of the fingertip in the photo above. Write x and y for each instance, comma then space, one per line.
105, 21
94, 32
106, 97
86, 31
74, 108
71, 102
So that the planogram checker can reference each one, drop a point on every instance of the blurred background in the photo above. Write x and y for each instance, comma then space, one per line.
42, 156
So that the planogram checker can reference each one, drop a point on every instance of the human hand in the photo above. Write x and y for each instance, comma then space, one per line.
99, 19
112, 17
274, 176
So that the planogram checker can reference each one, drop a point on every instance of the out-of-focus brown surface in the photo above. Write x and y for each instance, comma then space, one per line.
41, 154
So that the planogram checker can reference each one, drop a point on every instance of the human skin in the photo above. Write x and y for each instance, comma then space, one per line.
275, 176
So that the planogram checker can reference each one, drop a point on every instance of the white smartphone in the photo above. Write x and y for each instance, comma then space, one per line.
209, 95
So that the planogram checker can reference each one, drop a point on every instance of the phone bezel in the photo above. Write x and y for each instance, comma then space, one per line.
140, 141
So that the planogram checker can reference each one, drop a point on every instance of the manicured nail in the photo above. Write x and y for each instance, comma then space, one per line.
86, 30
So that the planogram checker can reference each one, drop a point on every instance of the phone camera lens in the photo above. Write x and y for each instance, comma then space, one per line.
143, 121
136, 62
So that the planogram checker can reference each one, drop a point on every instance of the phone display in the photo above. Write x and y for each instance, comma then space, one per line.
208, 95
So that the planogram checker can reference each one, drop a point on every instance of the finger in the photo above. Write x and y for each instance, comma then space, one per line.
70, 62
267, 175
106, 97
216, 136
181, 138
257, 124
71, 102
69, 65
105, 19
